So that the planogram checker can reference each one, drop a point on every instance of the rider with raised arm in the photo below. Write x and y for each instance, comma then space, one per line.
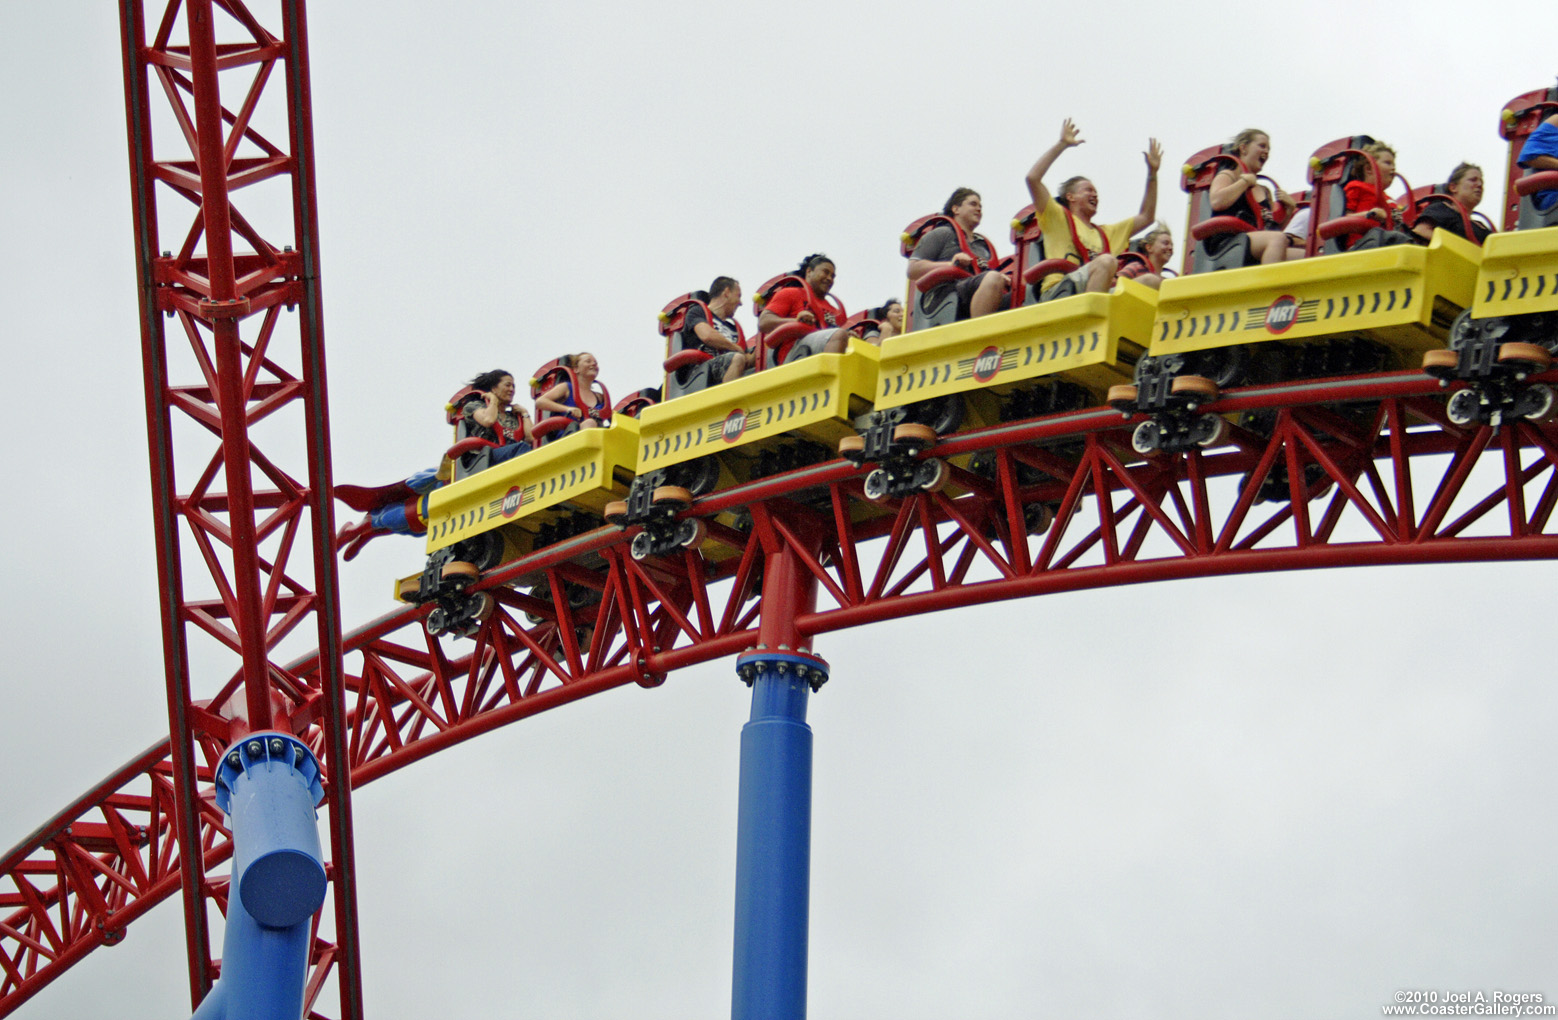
1243, 196
1067, 221
496, 418
983, 292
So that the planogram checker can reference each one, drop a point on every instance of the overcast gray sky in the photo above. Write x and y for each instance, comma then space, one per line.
1279, 797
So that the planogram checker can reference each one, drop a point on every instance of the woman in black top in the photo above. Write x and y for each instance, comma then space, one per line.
1241, 195
1452, 209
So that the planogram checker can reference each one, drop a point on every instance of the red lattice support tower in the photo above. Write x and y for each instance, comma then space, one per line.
242, 510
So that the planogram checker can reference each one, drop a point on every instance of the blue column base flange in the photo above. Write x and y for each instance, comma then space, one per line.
811, 668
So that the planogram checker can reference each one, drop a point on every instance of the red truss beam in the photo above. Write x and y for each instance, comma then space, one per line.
244, 527
1384, 478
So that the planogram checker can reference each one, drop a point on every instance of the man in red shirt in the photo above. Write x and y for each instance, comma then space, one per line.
809, 304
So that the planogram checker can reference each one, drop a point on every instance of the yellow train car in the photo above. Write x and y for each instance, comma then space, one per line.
996, 364
767, 422
512, 509
1403, 297
720, 435
1510, 331
581, 472
1361, 311
1518, 275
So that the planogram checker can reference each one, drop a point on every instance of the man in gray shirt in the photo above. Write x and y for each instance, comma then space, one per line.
720, 337
986, 290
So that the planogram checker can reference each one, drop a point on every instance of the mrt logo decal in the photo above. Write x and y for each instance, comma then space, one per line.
987, 365
735, 425
1281, 314
512, 500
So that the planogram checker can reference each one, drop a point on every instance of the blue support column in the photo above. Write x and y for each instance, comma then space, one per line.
268, 783
773, 837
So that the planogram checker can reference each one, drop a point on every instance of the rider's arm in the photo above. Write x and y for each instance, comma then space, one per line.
928, 253
1036, 187
1149, 196
1069, 136
487, 414
552, 401
771, 320
714, 338
1227, 187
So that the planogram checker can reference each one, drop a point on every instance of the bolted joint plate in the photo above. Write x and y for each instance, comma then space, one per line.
806, 666
212, 309
266, 748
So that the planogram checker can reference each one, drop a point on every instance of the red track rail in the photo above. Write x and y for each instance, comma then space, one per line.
1389, 481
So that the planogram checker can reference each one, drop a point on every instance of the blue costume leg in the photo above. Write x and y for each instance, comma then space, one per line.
423, 481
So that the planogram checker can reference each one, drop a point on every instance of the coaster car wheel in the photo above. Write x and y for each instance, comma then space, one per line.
408, 589
1210, 430
1123, 398
460, 573
1195, 386
617, 512
691, 533
914, 437
1441, 364
1542, 402
701, 476
943, 414
643, 546
876, 485
1523, 356
672, 496
1147, 367
1463, 406
1461, 330
1038, 517
1224, 366
1036, 520
485, 550
931, 474
852, 448
1147, 438
1465, 329
477, 612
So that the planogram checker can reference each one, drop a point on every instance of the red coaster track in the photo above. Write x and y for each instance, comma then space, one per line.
1396, 485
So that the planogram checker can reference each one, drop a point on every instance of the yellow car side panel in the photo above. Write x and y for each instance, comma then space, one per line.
1519, 274
580, 469
1077, 335
813, 396
1387, 292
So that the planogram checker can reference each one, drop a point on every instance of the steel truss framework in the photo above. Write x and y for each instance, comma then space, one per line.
1337, 472
240, 479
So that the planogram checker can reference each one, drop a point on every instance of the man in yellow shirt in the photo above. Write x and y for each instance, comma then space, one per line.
1067, 221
